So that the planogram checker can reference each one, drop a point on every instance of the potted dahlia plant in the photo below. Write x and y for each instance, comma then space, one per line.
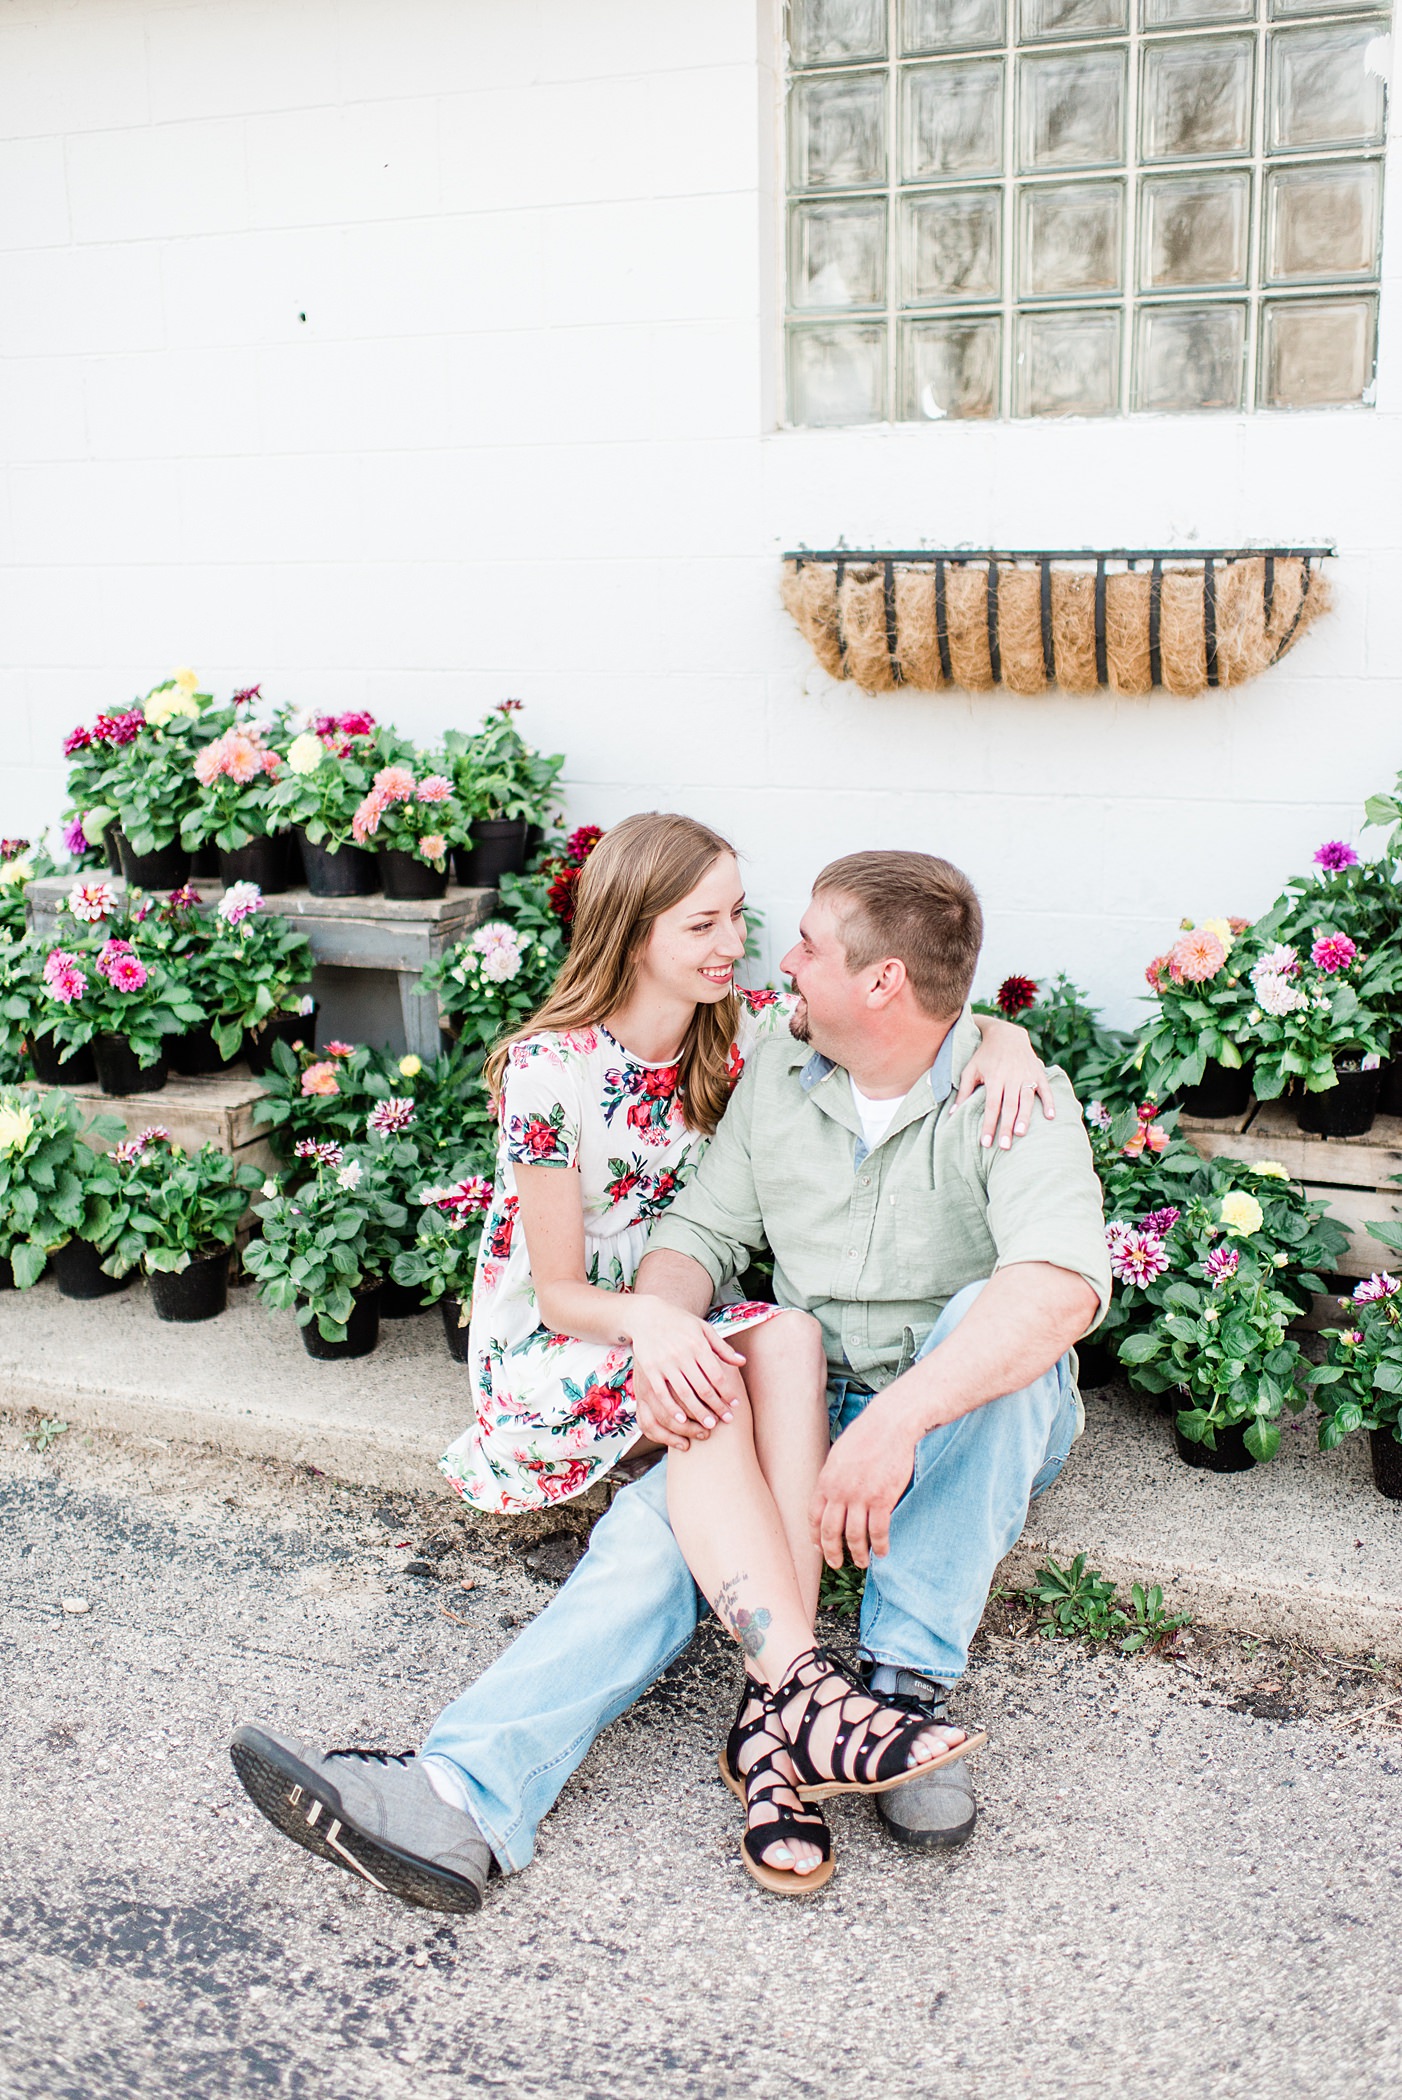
507, 790
415, 821
1319, 1019
327, 776
113, 992
253, 975
324, 1249
146, 786
312, 1095
1218, 1340
56, 1191
175, 1217
440, 1262
1066, 1030
1193, 1045
1347, 895
237, 772
1359, 1385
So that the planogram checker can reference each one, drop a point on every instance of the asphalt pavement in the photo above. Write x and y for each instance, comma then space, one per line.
1186, 1878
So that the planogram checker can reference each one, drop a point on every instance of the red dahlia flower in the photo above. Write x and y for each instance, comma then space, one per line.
1014, 995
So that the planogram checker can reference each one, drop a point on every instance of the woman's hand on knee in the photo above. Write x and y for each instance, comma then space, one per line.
686, 1377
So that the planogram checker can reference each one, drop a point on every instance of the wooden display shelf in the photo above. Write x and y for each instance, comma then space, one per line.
218, 1109
1354, 1176
394, 938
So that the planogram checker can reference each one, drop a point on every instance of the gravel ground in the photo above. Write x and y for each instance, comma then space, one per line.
1185, 1879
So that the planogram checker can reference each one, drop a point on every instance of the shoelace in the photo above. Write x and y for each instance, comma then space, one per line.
379, 1757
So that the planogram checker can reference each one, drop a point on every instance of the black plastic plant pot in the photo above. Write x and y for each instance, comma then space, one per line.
409, 878
79, 1273
196, 1053
118, 1071
291, 1029
1345, 1110
455, 1329
200, 1292
263, 861
1230, 1456
1220, 1092
165, 869
348, 871
1390, 1091
498, 848
205, 861
51, 1068
7, 1274
362, 1331
400, 1301
1096, 1365
1387, 1463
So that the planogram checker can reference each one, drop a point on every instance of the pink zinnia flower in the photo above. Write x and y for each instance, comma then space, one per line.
320, 1079
1160, 1221
1197, 956
340, 1049
1139, 1258
389, 1116
1335, 854
433, 788
92, 901
393, 784
1220, 1264
1379, 1285
1333, 952
64, 978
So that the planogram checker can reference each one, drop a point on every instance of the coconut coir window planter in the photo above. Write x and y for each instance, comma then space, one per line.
1131, 620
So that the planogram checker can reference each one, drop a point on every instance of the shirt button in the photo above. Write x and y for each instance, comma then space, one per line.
851, 1254
866, 1181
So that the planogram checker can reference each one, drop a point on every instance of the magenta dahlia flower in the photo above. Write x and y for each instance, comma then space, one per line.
325, 1152
1139, 1258
465, 1199
119, 963
1335, 854
1220, 1264
387, 1117
75, 839
1160, 1221
78, 739
1333, 952
64, 976
1379, 1285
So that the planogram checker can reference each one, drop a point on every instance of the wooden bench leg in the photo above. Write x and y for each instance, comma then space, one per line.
422, 1034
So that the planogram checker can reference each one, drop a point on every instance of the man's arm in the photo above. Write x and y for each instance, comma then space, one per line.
1026, 1317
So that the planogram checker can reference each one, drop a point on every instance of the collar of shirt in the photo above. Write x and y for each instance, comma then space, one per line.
942, 1078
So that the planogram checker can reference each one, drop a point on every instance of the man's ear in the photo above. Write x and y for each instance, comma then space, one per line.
888, 982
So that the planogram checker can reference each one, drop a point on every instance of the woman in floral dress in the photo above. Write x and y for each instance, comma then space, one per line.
606, 1101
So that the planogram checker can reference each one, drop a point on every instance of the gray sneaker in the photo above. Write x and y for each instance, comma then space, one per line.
936, 1813
373, 1812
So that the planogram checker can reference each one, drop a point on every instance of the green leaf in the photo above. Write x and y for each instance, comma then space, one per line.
1262, 1440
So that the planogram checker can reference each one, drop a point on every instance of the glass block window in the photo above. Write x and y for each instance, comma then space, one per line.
1081, 207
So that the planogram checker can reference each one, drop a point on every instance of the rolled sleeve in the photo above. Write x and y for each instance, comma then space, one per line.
716, 1218
1044, 1200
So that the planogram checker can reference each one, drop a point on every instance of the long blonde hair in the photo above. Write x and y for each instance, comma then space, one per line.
639, 869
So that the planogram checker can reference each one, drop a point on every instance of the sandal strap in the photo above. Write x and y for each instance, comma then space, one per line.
858, 1755
791, 1820
785, 1830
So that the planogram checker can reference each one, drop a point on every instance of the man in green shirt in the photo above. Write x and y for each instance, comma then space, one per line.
950, 1278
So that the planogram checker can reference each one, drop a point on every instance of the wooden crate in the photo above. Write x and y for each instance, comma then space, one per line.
1352, 1175
394, 940
217, 1109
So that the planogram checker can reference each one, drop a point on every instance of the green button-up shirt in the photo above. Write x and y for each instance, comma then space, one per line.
875, 1244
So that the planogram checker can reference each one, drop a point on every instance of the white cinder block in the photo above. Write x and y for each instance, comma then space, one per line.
253, 288
57, 302
171, 404
79, 70
378, 395
155, 182
434, 47
33, 196
41, 409
641, 36
95, 512
229, 58
317, 167
694, 259
556, 387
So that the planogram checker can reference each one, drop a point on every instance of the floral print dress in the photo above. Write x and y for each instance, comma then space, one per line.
552, 1413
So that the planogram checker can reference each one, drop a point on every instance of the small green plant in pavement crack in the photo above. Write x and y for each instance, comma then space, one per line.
1077, 1603
841, 1590
47, 1434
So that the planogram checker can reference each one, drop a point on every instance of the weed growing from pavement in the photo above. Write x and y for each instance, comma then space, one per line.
1077, 1603
47, 1434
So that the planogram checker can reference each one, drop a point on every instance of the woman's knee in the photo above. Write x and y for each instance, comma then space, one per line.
790, 1336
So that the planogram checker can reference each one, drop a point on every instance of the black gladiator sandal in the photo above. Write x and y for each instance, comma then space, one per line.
748, 1767
874, 1744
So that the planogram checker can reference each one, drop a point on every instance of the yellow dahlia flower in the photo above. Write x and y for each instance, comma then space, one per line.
163, 707
304, 753
15, 871
1241, 1214
186, 679
1223, 930
411, 1066
15, 1127
1271, 1167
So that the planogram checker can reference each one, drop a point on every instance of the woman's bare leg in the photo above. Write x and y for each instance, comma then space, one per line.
786, 1382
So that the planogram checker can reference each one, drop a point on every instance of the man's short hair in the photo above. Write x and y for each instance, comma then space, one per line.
912, 906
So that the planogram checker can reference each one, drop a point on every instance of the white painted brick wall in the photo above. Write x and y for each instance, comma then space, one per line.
522, 442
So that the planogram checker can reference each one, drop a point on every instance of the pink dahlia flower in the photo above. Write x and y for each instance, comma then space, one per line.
239, 902
64, 977
1220, 1264
325, 1151
119, 729
1335, 854
78, 739
239, 755
465, 1199
387, 1117
393, 784
433, 845
1196, 956
434, 788
320, 1079
119, 963
1139, 1258
1160, 1222
75, 839
366, 821
340, 1049
1333, 952
1379, 1285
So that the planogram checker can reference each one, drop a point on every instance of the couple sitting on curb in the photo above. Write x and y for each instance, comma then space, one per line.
927, 1193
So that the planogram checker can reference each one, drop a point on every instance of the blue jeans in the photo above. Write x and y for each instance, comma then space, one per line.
631, 1607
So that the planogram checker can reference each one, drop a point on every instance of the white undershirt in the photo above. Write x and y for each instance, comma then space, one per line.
874, 1116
